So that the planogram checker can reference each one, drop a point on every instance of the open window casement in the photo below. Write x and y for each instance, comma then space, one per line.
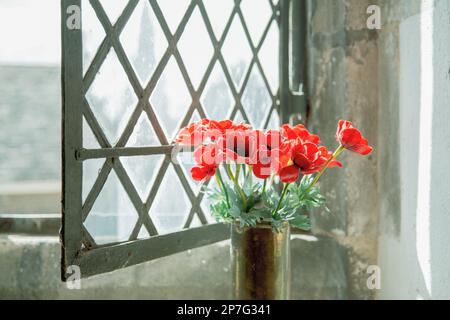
135, 72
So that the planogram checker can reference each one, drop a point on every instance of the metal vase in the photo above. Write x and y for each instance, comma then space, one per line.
260, 262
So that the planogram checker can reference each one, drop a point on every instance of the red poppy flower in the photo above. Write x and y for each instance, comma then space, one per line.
203, 173
262, 168
328, 155
240, 146
351, 139
299, 131
273, 139
194, 134
270, 146
241, 127
209, 155
198, 132
304, 157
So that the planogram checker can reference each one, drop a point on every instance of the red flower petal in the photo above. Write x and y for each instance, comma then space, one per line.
335, 163
301, 161
203, 173
289, 174
262, 171
350, 137
362, 149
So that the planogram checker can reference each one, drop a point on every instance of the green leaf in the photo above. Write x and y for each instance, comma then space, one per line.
301, 222
261, 207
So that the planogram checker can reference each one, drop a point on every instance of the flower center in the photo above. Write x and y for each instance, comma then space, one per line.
301, 161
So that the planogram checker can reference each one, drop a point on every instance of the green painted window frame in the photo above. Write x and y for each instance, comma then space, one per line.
78, 247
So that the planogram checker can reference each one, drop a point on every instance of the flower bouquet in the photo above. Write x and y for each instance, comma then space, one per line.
266, 183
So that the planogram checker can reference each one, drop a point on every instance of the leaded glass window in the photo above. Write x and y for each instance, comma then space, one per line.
134, 73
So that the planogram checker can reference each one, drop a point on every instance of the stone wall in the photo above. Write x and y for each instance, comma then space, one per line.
391, 209
343, 84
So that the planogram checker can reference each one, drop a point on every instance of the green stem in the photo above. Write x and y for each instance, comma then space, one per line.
283, 194
264, 186
335, 155
250, 170
272, 178
238, 187
222, 186
238, 172
229, 172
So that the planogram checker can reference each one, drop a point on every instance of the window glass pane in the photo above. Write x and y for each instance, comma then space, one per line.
256, 99
144, 41
256, 14
237, 52
269, 57
113, 216
114, 8
91, 170
196, 48
173, 11
168, 213
217, 98
93, 34
143, 134
274, 121
171, 99
218, 12
143, 234
111, 97
142, 171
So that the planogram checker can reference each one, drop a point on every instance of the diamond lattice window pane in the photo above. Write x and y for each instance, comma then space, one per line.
171, 99
169, 215
274, 121
269, 57
237, 52
89, 139
142, 171
113, 216
114, 9
206, 202
195, 48
111, 97
256, 100
143, 134
92, 34
143, 41
186, 160
143, 234
257, 14
91, 170
195, 223
239, 118
217, 98
173, 12
218, 12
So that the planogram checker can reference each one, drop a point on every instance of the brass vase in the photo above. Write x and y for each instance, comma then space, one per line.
260, 262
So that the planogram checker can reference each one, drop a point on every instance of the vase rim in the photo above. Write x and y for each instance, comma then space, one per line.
261, 225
